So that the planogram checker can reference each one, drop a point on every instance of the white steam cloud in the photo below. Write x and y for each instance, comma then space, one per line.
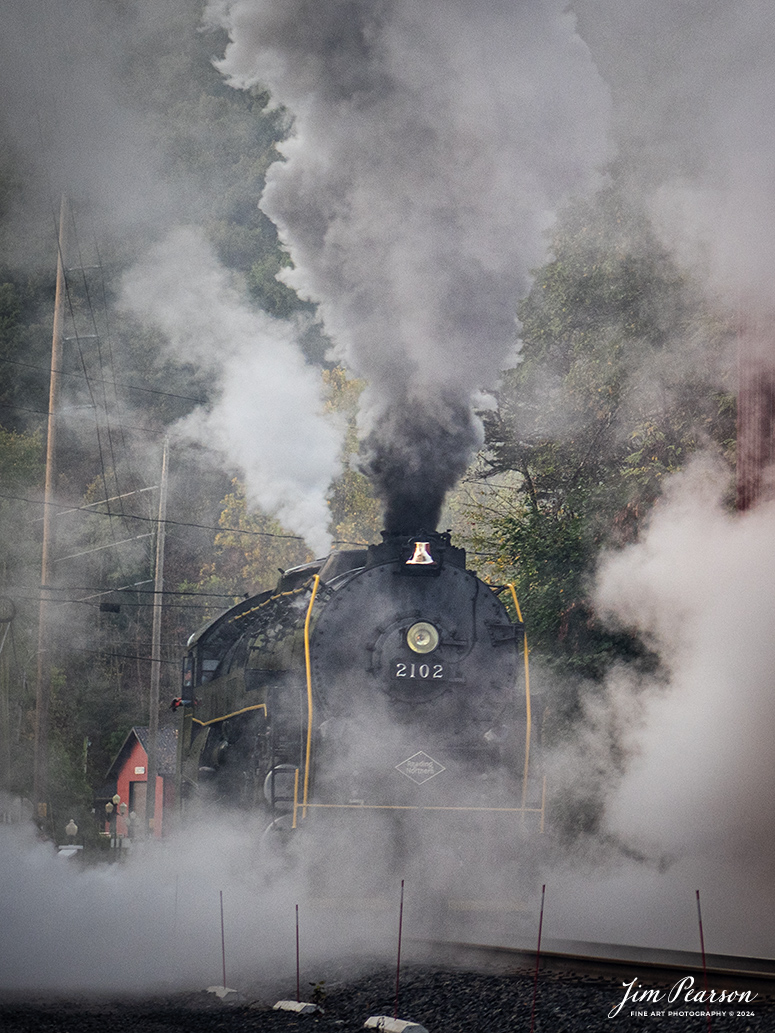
152, 922
267, 416
693, 794
432, 145
701, 588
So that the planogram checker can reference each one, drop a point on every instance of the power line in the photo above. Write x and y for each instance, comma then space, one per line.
94, 380
152, 520
114, 498
99, 548
141, 591
125, 656
126, 602
45, 412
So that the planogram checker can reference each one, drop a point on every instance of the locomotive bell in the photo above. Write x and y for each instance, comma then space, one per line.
422, 637
421, 556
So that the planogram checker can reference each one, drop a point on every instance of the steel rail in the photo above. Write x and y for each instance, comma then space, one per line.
619, 963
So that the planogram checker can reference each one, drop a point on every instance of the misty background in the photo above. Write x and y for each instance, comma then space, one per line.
369, 265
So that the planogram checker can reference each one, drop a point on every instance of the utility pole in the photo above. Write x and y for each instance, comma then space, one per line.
43, 691
7, 614
153, 724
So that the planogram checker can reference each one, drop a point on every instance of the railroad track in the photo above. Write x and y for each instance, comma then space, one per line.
614, 963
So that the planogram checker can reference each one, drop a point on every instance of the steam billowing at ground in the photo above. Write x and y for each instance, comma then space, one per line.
431, 146
151, 922
683, 759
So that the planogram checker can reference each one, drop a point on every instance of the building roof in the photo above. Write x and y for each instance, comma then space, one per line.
166, 745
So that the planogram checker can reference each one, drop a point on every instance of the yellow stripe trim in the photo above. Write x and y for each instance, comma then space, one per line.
308, 663
271, 599
215, 720
408, 807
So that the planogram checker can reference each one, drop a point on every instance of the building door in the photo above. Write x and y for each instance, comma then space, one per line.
137, 796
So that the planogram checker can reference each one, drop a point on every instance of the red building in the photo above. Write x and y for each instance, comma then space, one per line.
128, 776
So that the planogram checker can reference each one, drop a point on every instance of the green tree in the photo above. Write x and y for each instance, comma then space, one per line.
250, 550
20, 477
356, 514
624, 375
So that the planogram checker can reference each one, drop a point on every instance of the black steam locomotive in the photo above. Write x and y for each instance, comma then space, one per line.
376, 683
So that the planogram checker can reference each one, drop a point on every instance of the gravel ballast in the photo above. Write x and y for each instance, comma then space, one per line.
442, 1001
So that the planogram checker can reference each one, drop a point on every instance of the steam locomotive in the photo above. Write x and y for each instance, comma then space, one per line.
378, 687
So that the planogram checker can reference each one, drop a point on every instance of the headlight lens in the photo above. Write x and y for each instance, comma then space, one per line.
422, 637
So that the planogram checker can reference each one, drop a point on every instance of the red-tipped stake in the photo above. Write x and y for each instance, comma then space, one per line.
298, 987
223, 945
702, 949
538, 958
298, 1006
398, 963
223, 991
384, 1023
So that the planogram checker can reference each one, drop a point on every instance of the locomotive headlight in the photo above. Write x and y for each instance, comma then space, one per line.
422, 637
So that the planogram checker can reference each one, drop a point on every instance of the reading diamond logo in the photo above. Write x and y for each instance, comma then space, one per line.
420, 768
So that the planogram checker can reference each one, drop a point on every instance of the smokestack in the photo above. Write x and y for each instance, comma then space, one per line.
414, 455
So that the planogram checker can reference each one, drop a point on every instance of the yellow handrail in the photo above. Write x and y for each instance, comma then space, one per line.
308, 663
295, 796
236, 713
527, 699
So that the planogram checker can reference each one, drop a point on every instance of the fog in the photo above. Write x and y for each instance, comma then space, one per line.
152, 921
79, 121
693, 92
683, 759
431, 148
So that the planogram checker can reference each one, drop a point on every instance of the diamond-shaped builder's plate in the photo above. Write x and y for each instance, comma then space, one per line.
420, 767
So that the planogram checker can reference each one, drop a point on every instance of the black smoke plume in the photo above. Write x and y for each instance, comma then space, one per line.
431, 146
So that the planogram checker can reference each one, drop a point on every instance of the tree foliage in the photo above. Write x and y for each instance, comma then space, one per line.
251, 549
356, 515
624, 375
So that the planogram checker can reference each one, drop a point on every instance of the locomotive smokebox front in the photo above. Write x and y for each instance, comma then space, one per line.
415, 663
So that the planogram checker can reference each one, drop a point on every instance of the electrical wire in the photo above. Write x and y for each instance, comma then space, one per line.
114, 383
153, 520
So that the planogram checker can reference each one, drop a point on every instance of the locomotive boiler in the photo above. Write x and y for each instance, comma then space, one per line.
379, 687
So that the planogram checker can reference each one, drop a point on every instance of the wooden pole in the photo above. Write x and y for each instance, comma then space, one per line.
7, 614
158, 595
44, 657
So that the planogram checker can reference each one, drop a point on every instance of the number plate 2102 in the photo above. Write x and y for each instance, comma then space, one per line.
420, 671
